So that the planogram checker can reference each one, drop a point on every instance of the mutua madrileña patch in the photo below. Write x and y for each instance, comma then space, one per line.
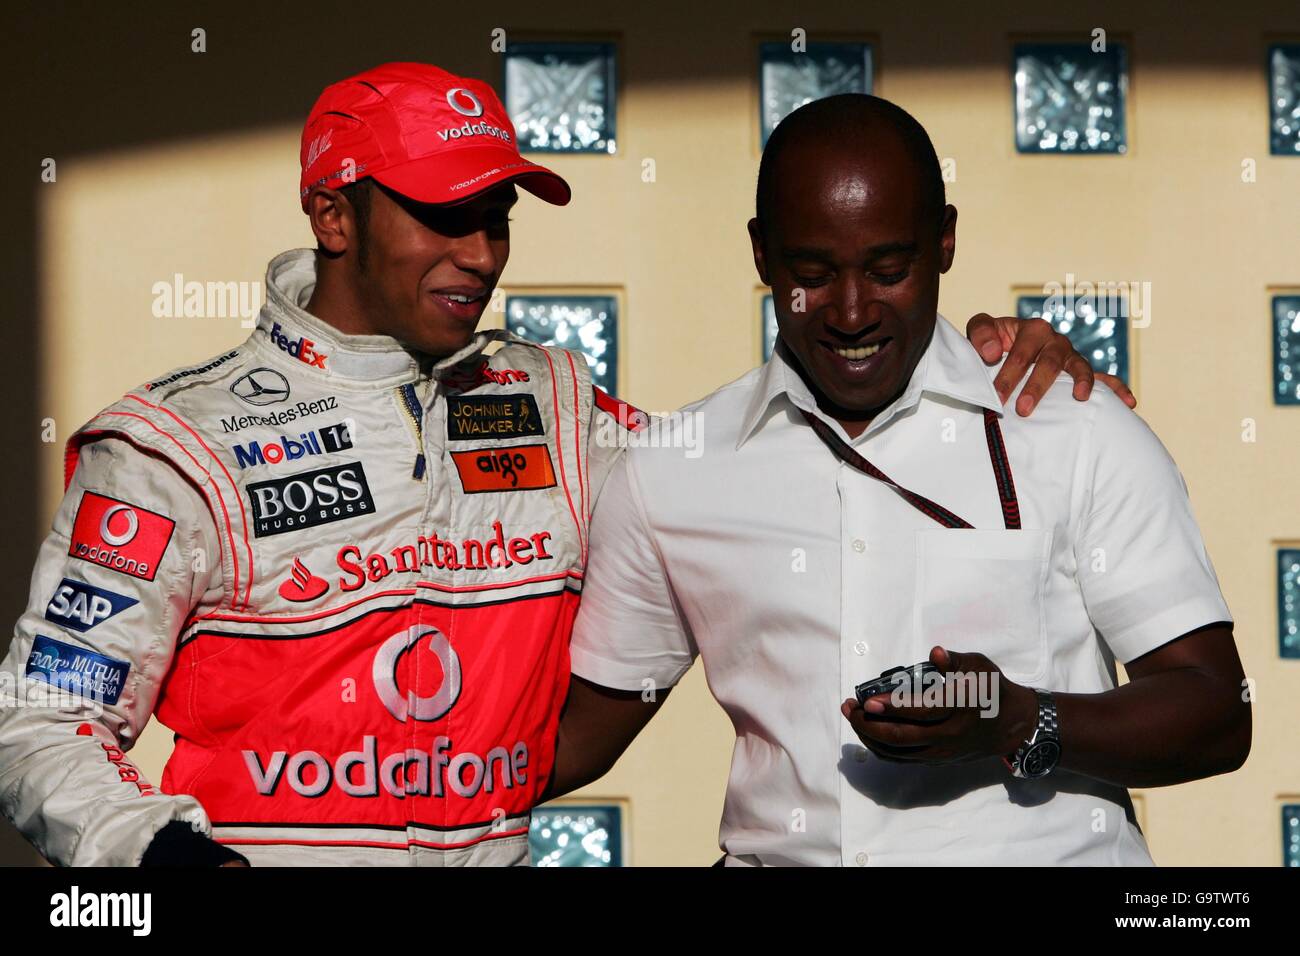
77, 669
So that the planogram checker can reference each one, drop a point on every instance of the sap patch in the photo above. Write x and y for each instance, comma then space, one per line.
471, 417
523, 467
77, 669
81, 606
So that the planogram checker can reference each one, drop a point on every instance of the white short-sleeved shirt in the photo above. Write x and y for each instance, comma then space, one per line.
796, 577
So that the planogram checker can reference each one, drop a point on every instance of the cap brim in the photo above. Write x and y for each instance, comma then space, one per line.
459, 175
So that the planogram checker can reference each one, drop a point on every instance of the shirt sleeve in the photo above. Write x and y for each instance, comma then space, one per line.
1142, 566
629, 629
91, 651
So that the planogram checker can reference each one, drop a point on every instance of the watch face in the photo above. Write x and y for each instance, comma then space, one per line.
1041, 759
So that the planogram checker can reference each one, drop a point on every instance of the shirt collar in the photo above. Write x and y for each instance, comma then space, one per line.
949, 368
286, 332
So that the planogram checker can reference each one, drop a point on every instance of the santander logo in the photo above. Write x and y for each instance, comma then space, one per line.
302, 585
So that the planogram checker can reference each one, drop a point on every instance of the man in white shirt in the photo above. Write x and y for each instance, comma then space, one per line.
863, 501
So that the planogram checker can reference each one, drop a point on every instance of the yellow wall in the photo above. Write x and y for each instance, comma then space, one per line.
218, 200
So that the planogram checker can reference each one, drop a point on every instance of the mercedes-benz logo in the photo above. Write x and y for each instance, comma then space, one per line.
261, 386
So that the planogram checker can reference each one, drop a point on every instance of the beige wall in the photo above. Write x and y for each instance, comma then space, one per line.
204, 185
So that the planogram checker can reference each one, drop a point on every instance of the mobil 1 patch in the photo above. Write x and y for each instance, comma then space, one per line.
476, 417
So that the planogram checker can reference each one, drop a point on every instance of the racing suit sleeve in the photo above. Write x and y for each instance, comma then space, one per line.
91, 651
614, 425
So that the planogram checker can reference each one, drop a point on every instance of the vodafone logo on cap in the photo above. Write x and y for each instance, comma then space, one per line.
457, 95
119, 536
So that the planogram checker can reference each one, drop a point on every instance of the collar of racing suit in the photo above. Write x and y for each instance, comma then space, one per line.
286, 329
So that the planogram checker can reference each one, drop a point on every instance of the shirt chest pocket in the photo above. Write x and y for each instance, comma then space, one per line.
983, 591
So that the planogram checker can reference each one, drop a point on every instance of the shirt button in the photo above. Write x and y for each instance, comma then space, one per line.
861, 859
860, 648
860, 755
859, 545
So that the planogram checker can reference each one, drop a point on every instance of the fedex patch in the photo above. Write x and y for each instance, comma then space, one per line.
119, 536
303, 348
81, 606
77, 669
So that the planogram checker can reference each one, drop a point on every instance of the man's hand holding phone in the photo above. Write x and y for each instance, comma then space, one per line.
959, 708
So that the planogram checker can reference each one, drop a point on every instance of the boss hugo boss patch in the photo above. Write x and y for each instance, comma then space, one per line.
309, 499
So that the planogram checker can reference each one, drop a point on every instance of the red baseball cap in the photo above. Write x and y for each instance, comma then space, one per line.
429, 135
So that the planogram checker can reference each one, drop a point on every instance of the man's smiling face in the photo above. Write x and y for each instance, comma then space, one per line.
430, 270
851, 234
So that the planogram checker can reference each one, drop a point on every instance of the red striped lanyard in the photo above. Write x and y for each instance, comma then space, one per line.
997, 455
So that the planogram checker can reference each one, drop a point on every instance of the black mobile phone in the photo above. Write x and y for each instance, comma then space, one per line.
895, 677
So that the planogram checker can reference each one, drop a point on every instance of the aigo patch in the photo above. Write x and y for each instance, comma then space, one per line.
518, 468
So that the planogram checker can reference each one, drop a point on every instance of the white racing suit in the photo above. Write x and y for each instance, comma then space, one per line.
344, 580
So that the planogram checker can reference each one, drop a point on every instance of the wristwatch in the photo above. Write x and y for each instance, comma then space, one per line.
1039, 755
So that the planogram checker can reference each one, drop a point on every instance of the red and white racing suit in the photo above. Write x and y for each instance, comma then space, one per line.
344, 579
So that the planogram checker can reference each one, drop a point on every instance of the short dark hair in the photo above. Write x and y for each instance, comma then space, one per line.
852, 115
358, 196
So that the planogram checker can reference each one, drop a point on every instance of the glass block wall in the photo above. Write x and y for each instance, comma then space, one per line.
787, 80
1291, 834
561, 96
1288, 602
585, 323
1069, 99
572, 835
1286, 349
1098, 329
1284, 99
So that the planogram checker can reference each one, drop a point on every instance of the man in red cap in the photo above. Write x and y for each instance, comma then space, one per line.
341, 561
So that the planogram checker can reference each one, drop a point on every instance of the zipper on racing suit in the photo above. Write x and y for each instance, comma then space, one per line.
410, 403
